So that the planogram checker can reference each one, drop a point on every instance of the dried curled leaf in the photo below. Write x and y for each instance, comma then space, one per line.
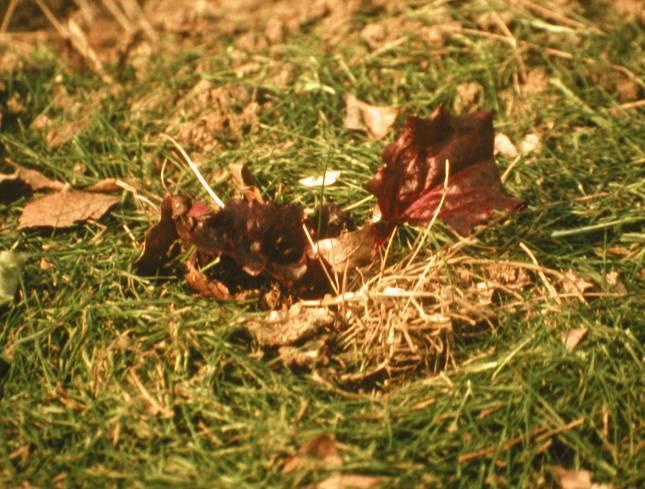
363, 116
410, 185
158, 240
349, 250
263, 238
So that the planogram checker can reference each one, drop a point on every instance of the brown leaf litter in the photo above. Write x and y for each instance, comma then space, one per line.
320, 450
469, 97
571, 338
66, 209
63, 208
323, 452
24, 181
399, 319
209, 114
376, 120
67, 116
575, 479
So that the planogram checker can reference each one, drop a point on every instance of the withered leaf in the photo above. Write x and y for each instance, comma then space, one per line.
504, 146
572, 479
329, 178
65, 209
349, 481
410, 185
282, 328
573, 337
350, 250
107, 185
263, 238
322, 449
24, 181
245, 182
305, 356
158, 240
363, 116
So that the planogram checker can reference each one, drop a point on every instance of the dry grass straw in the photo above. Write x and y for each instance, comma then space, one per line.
406, 318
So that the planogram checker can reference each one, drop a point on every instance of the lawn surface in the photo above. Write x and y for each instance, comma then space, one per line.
111, 379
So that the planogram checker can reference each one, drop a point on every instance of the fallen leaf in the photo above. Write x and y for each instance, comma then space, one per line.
573, 283
469, 97
573, 337
9, 276
360, 116
329, 178
409, 187
159, 239
572, 479
530, 144
350, 250
614, 283
504, 146
283, 328
65, 209
537, 80
630, 10
106, 186
349, 481
245, 182
14, 104
262, 237
322, 449
24, 181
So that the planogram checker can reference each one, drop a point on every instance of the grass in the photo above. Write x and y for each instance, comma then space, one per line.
111, 379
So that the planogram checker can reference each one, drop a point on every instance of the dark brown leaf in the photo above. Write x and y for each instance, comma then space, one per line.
158, 240
410, 185
65, 209
263, 238
245, 182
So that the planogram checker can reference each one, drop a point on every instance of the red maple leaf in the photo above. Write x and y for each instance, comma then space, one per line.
409, 187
